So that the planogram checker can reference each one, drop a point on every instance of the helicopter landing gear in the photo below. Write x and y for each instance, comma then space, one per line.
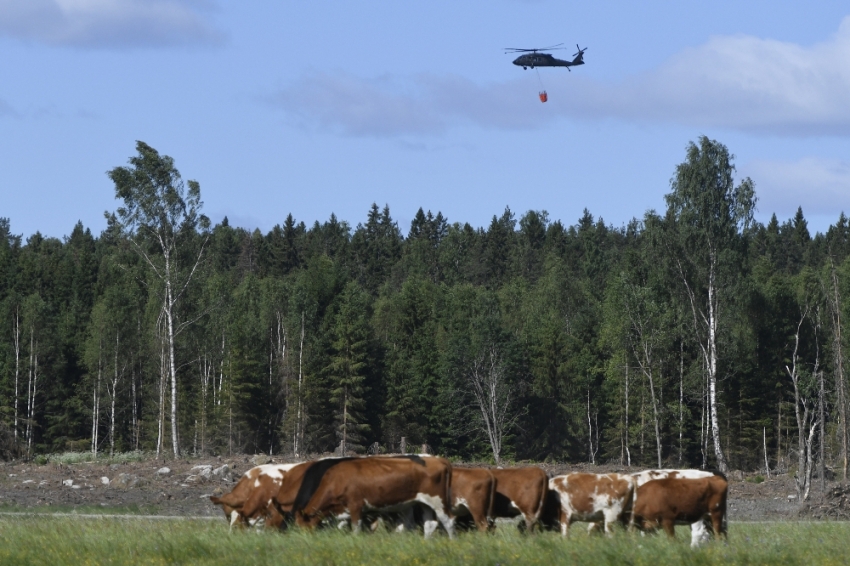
525, 68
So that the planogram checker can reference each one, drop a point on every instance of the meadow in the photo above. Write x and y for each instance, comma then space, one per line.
54, 540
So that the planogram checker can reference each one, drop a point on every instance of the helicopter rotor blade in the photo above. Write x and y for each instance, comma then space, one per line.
580, 51
523, 50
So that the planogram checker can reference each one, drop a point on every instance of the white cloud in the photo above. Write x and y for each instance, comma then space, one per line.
360, 107
109, 23
390, 107
820, 186
743, 83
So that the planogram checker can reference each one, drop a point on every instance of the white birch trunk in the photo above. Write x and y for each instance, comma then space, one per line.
31, 404
95, 408
681, 397
628, 452
835, 309
299, 425
169, 319
112, 394
804, 443
17, 337
713, 313
162, 381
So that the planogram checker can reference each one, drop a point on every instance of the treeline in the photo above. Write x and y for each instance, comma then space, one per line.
695, 336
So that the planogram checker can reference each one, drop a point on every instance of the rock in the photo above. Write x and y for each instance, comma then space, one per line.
792, 497
164, 471
67, 483
222, 473
76, 486
29, 481
104, 480
736, 475
126, 481
191, 479
204, 471
261, 459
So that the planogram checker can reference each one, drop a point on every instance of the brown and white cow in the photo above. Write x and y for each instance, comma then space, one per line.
671, 501
249, 502
592, 498
473, 494
520, 491
350, 487
699, 532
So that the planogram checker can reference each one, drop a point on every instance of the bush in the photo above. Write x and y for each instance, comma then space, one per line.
755, 479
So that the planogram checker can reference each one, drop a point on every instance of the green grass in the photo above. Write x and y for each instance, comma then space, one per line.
131, 509
124, 541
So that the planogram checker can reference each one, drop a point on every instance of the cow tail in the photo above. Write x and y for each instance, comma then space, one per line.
449, 501
491, 508
543, 495
634, 504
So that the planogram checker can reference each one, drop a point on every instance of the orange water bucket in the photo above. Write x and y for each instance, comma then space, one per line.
543, 96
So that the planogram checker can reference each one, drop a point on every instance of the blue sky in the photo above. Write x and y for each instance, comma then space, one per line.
320, 107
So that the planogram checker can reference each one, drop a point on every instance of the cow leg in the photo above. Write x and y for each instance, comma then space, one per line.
435, 504
407, 520
717, 524
356, 519
669, 526
699, 534
564, 519
479, 517
609, 516
429, 521
234, 516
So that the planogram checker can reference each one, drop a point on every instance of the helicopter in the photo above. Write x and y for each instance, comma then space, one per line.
534, 58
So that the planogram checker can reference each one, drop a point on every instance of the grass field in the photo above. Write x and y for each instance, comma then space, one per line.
104, 541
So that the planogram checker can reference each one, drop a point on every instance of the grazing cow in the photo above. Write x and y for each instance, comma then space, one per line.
699, 531
348, 488
473, 491
592, 498
250, 500
520, 491
674, 501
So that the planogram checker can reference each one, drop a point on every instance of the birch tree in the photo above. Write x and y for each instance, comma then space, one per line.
805, 412
706, 214
646, 331
495, 396
33, 316
161, 218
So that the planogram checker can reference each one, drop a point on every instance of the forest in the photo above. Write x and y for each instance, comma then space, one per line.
694, 336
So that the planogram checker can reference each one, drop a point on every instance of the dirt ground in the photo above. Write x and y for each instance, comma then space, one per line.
183, 487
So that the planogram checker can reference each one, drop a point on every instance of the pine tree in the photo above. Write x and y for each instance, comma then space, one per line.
348, 367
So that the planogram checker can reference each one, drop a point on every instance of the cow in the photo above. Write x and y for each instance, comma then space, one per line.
249, 502
699, 532
675, 501
520, 491
473, 494
592, 498
350, 487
